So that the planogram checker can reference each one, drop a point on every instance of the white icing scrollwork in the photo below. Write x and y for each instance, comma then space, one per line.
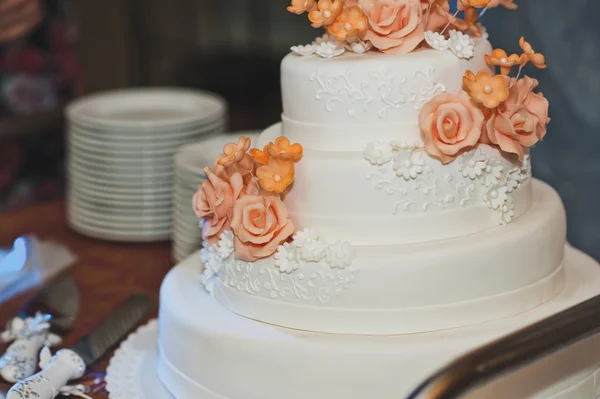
382, 91
287, 272
406, 173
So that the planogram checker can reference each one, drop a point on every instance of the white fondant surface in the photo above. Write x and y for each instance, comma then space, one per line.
344, 197
412, 288
207, 352
329, 103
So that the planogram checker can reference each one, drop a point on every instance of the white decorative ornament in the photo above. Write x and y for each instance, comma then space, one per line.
493, 175
461, 44
339, 254
225, 245
513, 179
506, 213
496, 196
473, 164
304, 50
382, 91
378, 153
484, 33
436, 40
286, 258
324, 38
330, 49
213, 262
303, 236
360, 47
408, 163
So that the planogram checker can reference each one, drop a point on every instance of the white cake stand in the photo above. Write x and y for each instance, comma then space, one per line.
131, 373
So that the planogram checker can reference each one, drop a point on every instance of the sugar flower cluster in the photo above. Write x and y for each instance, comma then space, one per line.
395, 26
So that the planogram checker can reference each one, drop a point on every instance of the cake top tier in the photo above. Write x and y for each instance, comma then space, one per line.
379, 92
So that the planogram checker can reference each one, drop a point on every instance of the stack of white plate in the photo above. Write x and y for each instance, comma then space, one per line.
120, 161
189, 164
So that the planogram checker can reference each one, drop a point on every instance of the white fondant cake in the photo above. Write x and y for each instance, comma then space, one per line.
392, 208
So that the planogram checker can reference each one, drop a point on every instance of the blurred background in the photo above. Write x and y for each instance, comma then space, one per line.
66, 48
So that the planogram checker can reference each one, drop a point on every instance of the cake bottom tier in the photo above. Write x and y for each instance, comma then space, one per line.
208, 352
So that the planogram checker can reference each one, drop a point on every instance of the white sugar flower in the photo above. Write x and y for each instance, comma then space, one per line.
210, 258
436, 40
208, 280
225, 245
408, 164
303, 236
339, 254
484, 33
286, 258
492, 175
359, 47
461, 44
514, 179
506, 213
325, 38
330, 49
496, 197
526, 166
472, 164
304, 50
312, 250
378, 153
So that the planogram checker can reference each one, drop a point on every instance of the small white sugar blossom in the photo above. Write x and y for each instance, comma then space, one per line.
330, 49
461, 44
212, 265
506, 213
496, 197
286, 258
310, 247
339, 254
378, 153
359, 47
408, 163
324, 38
304, 50
303, 236
436, 40
492, 175
514, 179
473, 164
225, 245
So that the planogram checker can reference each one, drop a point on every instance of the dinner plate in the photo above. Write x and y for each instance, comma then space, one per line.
90, 184
118, 220
121, 167
146, 108
163, 198
142, 176
143, 235
143, 208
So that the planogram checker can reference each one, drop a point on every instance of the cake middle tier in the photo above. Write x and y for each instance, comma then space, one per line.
409, 288
389, 194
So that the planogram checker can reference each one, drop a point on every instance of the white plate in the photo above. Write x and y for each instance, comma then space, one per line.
111, 166
141, 177
119, 235
91, 185
102, 218
161, 199
138, 157
140, 230
148, 108
139, 184
158, 138
132, 372
118, 208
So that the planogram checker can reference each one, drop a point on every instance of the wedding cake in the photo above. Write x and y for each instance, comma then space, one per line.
388, 224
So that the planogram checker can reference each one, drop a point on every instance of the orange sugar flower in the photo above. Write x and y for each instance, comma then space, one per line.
283, 149
302, 6
326, 13
510, 4
276, 175
536, 59
485, 89
260, 156
234, 153
501, 59
349, 23
463, 4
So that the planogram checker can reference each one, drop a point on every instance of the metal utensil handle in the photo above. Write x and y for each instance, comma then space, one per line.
66, 365
21, 358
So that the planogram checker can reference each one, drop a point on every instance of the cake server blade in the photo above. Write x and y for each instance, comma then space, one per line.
70, 364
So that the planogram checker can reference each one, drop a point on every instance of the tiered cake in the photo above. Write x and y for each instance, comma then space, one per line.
395, 197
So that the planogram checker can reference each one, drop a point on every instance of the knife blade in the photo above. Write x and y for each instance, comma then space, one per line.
70, 364
53, 310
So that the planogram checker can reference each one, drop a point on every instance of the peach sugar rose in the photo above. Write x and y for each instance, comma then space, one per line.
260, 224
398, 26
521, 120
450, 123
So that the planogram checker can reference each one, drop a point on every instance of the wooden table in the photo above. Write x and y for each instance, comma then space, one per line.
106, 272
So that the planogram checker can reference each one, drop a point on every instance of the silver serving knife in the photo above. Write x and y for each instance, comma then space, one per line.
70, 364
53, 310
